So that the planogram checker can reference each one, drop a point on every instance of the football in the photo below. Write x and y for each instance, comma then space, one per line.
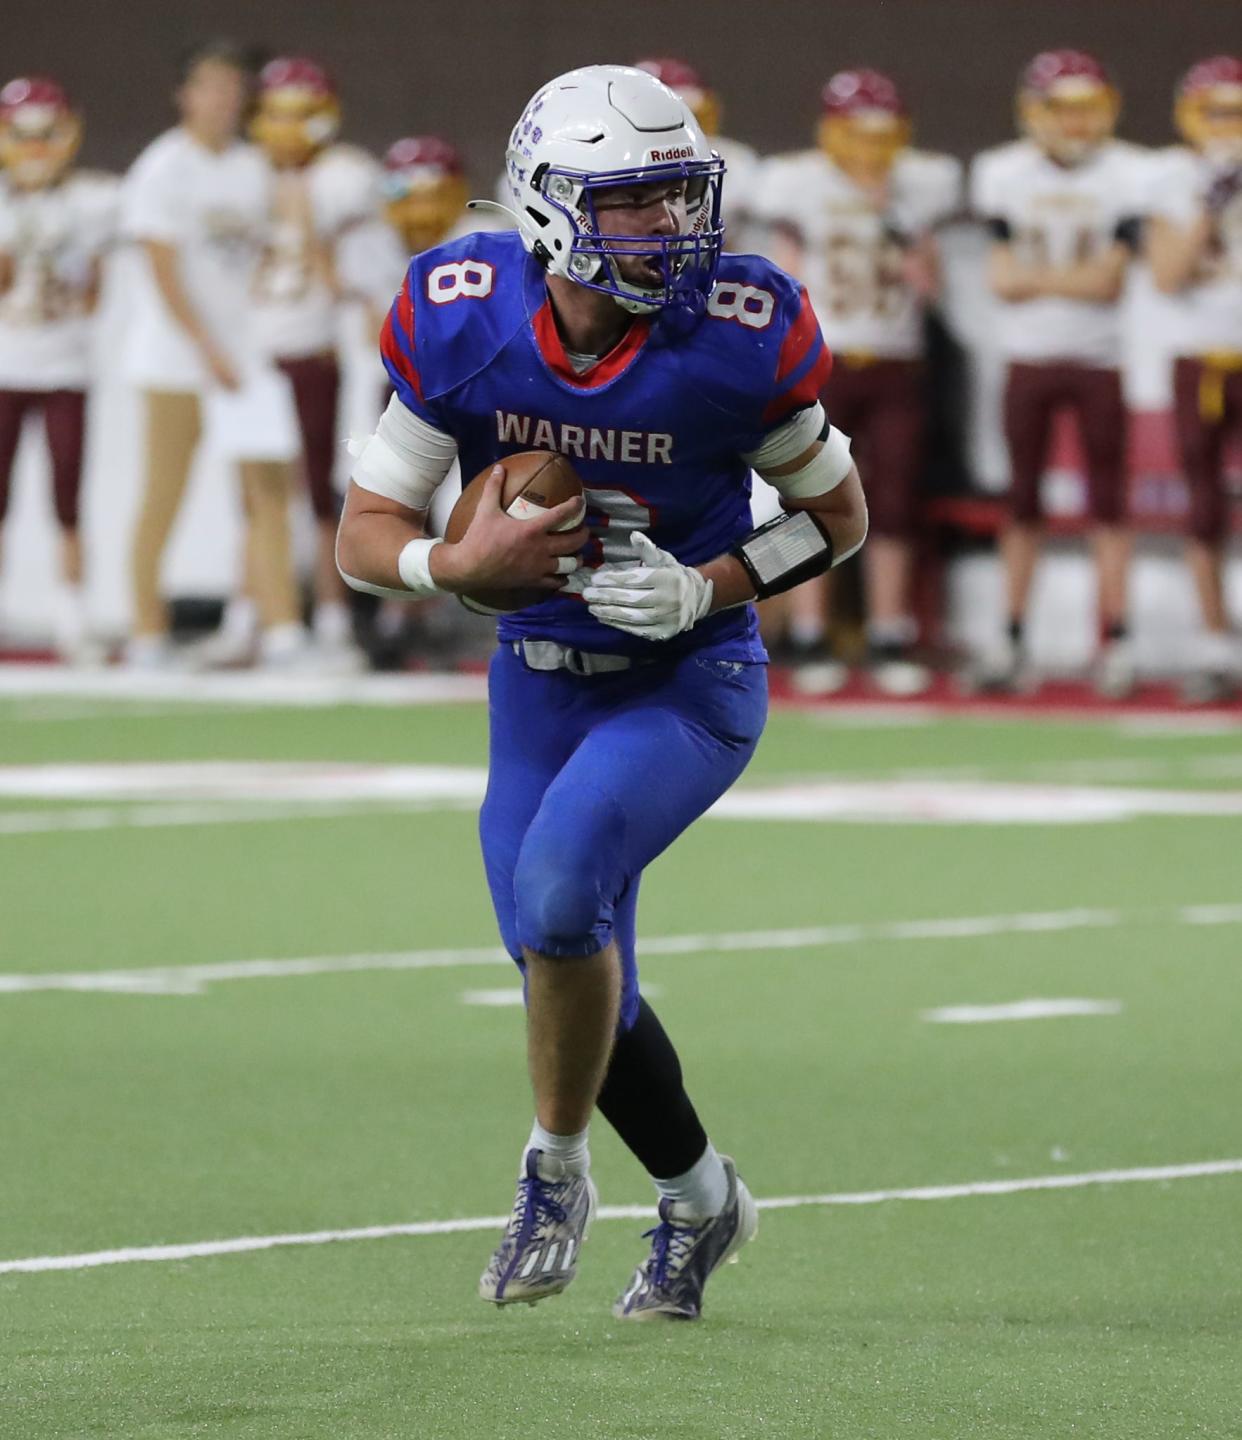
535, 481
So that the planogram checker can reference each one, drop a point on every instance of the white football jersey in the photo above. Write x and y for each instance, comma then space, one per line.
212, 208
311, 210
852, 244
53, 239
1054, 215
1208, 312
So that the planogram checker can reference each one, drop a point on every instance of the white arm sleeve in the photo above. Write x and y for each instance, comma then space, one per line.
822, 473
405, 459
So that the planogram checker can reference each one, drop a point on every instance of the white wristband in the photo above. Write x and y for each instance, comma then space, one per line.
414, 567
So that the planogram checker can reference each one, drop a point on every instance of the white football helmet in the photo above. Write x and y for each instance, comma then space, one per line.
605, 126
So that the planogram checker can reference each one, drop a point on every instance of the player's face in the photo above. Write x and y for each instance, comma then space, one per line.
657, 209
212, 99
1070, 128
425, 214
1222, 127
865, 147
35, 156
291, 124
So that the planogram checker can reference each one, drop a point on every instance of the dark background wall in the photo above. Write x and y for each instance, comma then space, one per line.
465, 69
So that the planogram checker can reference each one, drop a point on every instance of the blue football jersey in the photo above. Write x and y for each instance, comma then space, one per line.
655, 429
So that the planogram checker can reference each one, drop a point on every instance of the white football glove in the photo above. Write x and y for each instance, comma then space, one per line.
655, 599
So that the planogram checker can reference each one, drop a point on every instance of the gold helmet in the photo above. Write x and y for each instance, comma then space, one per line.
39, 132
700, 99
424, 190
1209, 108
297, 112
1067, 104
864, 125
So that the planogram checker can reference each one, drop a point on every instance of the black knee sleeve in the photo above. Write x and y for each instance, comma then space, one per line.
645, 1102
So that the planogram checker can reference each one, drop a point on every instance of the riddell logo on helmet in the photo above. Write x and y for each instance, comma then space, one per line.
678, 152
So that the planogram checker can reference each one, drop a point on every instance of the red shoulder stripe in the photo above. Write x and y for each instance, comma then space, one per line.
805, 392
393, 348
799, 338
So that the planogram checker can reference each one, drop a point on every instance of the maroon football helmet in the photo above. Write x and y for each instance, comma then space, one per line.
864, 125
1067, 104
298, 112
39, 131
424, 189
680, 75
1209, 107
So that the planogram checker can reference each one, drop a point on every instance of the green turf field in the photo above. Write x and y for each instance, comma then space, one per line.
160, 1089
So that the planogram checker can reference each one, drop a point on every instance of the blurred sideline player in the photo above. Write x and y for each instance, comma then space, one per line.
423, 192
321, 189
854, 219
1195, 251
197, 201
741, 162
623, 707
1062, 206
55, 224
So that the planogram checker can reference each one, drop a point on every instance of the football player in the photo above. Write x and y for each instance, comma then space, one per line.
197, 201
322, 190
741, 162
610, 328
55, 225
1062, 205
855, 219
1195, 251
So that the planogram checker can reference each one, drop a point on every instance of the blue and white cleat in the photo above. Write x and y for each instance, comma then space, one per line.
538, 1253
683, 1255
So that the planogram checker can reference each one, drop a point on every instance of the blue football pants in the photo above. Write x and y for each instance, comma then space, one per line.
590, 778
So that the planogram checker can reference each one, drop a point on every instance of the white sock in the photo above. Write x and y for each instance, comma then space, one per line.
240, 620
331, 623
903, 630
807, 629
561, 1154
280, 642
68, 622
701, 1192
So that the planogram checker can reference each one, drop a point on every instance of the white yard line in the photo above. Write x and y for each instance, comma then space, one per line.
1154, 1174
1019, 1010
192, 979
86, 819
249, 688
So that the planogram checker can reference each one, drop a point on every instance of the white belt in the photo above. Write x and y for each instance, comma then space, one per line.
548, 655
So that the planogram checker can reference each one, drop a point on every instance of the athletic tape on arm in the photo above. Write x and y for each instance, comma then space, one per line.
413, 565
823, 472
405, 459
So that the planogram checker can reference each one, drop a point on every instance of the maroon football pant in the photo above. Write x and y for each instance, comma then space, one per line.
882, 406
64, 419
316, 381
1033, 395
1201, 441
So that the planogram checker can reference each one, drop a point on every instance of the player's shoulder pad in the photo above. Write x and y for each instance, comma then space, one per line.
759, 351
989, 168
344, 184
465, 301
929, 187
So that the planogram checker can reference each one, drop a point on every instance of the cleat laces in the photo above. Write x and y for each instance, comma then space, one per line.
670, 1249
